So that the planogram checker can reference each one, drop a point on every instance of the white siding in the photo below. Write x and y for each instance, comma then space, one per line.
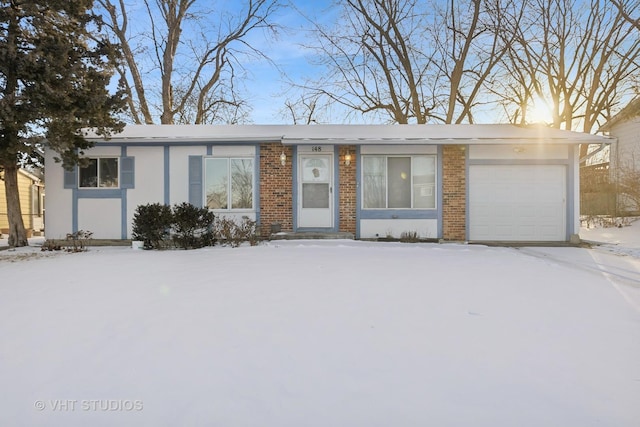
58, 202
179, 171
521, 152
626, 152
100, 216
374, 228
625, 155
398, 149
149, 180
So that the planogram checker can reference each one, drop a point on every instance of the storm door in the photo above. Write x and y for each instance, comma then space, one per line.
315, 191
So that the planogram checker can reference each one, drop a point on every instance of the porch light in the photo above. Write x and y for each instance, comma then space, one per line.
347, 158
283, 158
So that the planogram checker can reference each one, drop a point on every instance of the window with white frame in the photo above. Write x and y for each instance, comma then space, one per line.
101, 172
229, 183
399, 182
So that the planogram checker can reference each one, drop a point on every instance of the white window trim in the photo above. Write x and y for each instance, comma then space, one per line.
229, 194
386, 194
98, 187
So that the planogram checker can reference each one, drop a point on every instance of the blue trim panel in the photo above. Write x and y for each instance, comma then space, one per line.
167, 175
99, 193
123, 213
74, 210
294, 184
399, 214
196, 181
70, 178
570, 198
336, 188
127, 172
467, 186
440, 192
358, 190
256, 188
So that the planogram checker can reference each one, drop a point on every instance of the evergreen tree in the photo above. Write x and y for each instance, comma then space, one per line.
54, 81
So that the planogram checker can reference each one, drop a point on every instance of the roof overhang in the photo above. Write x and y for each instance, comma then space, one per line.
353, 134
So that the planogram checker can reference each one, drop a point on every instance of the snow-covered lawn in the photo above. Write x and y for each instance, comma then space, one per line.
322, 333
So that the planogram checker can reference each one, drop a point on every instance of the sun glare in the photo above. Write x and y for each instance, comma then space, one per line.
539, 112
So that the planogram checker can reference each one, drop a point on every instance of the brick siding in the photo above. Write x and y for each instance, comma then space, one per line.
454, 208
276, 188
348, 189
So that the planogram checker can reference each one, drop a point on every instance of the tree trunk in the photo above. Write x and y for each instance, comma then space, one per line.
17, 232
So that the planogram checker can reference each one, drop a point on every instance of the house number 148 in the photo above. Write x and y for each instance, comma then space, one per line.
316, 148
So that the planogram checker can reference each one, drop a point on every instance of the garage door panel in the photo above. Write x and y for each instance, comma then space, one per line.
517, 203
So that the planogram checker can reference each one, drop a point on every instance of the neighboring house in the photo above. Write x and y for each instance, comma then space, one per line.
31, 189
449, 182
624, 157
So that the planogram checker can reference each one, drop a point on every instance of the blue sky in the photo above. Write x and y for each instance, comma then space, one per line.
265, 85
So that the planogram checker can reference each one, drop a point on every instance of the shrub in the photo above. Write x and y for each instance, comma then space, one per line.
77, 241
409, 237
233, 234
248, 231
152, 224
192, 226
51, 245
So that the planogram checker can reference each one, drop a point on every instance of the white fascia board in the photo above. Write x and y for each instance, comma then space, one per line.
353, 134
440, 141
188, 140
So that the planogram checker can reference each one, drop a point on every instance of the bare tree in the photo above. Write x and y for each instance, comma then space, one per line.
471, 41
192, 56
306, 110
410, 61
625, 9
374, 64
580, 58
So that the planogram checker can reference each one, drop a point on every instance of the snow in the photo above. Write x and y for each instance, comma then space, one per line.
323, 333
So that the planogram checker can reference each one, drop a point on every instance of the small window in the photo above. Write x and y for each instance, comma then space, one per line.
229, 183
99, 173
398, 182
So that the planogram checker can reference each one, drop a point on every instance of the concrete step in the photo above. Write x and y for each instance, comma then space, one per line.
284, 235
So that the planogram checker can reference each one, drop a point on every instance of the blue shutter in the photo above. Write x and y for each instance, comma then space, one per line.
70, 178
127, 174
195, 180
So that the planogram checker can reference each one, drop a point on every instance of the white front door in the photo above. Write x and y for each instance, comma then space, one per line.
315, 190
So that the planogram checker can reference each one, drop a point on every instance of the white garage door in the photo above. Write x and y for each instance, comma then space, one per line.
517, 203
